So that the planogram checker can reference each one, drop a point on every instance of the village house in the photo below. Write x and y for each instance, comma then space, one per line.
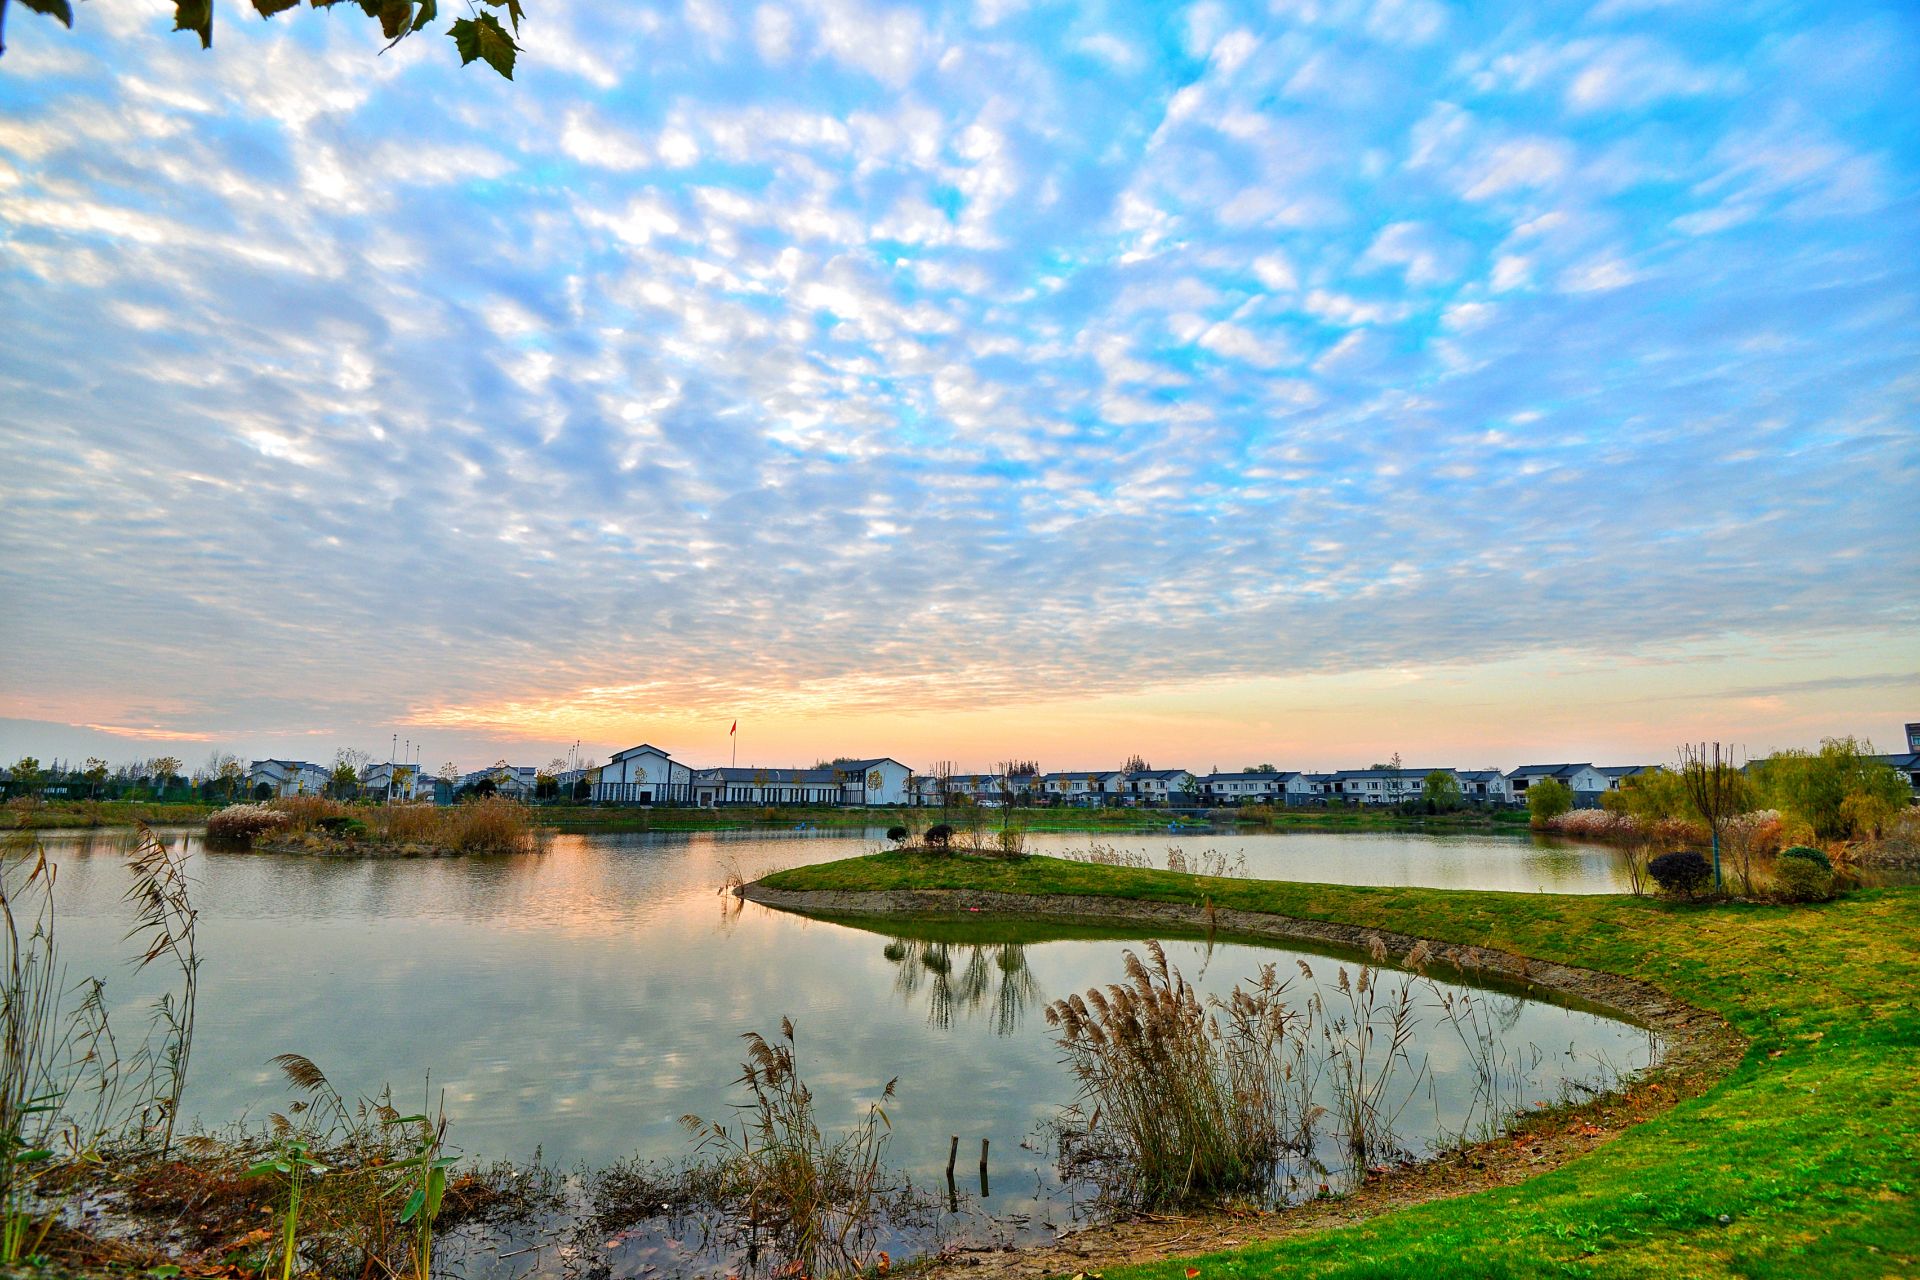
1586, 782
639, 775
287, 778
1246, 788
515, 781
870, 782
1617, 774
391, 781
1484, 786
1157, 787
1081, 786
1378, 786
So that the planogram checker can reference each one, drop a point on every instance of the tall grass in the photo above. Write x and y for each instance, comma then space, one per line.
490, 824
59, 1067
815, 1200
165, 926
1195, 1096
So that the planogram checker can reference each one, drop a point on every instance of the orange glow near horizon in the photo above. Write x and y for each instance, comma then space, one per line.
1545, 706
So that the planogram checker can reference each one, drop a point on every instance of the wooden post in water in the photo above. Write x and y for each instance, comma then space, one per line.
953, 1192
984, 1193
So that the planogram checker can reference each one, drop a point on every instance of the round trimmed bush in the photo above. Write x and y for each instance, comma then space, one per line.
939, 835
1682, 874
1807, 853
1802, 880
898, 834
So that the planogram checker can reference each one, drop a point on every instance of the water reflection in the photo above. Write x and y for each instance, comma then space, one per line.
964, 979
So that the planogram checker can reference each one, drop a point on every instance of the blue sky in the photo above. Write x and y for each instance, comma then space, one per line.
973, 376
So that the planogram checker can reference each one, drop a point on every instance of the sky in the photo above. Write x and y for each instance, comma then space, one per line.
1289, 382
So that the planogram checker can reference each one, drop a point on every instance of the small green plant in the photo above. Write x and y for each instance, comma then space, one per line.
1682, 874
1802, 880
426, 1172
292, 1162
1807, 853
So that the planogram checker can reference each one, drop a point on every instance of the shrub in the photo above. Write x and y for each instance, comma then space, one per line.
1681, 874
244, 822
1547, 800
898, 834
1802, 880
1807, 853
939, 836
1013, 842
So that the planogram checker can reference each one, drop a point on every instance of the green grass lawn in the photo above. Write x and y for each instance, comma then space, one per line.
1803, 1162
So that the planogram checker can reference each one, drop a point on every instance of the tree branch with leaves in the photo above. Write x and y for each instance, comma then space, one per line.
479, 37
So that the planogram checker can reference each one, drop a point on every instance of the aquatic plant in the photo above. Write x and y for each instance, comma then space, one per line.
1365, 1044
815, 1199
1188, 1099
293, 1163
59, 1069
165, 925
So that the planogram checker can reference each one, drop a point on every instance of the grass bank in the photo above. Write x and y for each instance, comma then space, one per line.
1799, 1162
54, 815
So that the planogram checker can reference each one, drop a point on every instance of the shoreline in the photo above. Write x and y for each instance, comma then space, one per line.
1699, 1049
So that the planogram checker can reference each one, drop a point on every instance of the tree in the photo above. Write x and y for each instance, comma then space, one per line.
95, 774
1441, 791
227, 773
1840, 791
942, 775
450, 772
1547, 800
27, 777
1260, 768
1715, 788
344, 781
480, 37
1136, 763
163, 770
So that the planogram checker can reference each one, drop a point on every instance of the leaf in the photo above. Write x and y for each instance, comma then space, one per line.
396, 18
267, 8
414, 1204
429, 9
484, 38
62, 10
514, 11
196, 16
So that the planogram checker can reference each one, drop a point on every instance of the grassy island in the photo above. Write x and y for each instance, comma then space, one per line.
1799, 1161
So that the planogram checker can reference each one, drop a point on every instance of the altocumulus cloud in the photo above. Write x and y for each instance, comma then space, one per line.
840, 354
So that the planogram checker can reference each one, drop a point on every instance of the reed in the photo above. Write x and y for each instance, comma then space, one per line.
1197, 1099
815, 1200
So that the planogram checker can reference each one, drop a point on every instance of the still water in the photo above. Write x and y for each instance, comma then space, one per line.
582, 999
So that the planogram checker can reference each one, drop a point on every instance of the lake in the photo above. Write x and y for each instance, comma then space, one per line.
583, 999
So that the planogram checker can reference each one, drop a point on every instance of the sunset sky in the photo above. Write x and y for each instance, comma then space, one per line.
1292, 382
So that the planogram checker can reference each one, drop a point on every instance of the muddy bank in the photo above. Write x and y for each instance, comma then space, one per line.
1699, 1048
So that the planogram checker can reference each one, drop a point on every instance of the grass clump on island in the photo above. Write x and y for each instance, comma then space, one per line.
1799, 1162
315, 824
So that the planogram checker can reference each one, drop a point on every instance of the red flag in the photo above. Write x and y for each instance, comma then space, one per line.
736, 725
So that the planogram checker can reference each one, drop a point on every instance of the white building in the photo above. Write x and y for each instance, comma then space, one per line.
1157, 786
1484, 786
288, 777
1081, 786
643, 775
1587, 783
515, 781
869, 782
390, 781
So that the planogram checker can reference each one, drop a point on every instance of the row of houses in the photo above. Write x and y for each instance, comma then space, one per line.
1383, 785
649, 775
